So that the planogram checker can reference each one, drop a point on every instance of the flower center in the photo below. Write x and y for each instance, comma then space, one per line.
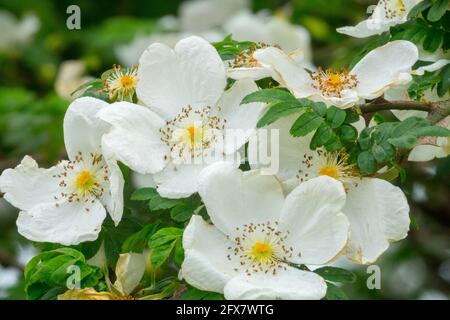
83, 179
260, 248
121, 83
322, 163
192, 133
332, 83
262, 251
393, 8
127, 81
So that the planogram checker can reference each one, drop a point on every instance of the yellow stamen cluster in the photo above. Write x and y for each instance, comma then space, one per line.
323, 163
121, 83
245, 58
82, 180
332, 83
260, 248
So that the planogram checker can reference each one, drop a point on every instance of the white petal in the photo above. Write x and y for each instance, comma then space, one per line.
134, 137
82, 129
205, 265
312, 214
422, 153
69, 223
130, 268
191, 74
142, 180
255, 73
384, 67
27, 185
379, 213
234, 198
289, 284
113, 197
291, 150
241, 119
365, 28
288, 72
180, 181
432, 67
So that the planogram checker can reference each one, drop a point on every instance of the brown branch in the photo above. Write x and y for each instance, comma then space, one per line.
437, 110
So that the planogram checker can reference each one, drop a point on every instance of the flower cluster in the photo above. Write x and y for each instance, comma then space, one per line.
173, 120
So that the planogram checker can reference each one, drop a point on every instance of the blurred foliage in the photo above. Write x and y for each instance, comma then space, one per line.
31, 116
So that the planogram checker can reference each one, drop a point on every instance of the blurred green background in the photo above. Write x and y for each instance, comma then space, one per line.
33, 99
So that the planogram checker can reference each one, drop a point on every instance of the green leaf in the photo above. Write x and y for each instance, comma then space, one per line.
277, 111
409, 125
336, 274
334, 292
433, 40
49, 270
418, 8
336, 116
112, 249
364, 138
437, 10
432, 131
407, 141
160, 203
271, 95
420, 84
162, 243
144, 194
444, 85
351, 116
320, 108
367, 163
306, 123
321, 136
229, 48
138, 241
347, 133
181, 212
383, 152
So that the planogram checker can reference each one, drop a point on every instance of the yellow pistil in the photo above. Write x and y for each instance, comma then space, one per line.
261, 251
128, 82
121, 83
334, 79
329, 170
86, 183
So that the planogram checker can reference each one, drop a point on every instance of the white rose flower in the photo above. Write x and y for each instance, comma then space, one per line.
267, 30
66, 203
382, 68
429, 151
204, 15
186, 121
401, 92
16, 32
377, 210
387, 13
129, 53
258, 233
